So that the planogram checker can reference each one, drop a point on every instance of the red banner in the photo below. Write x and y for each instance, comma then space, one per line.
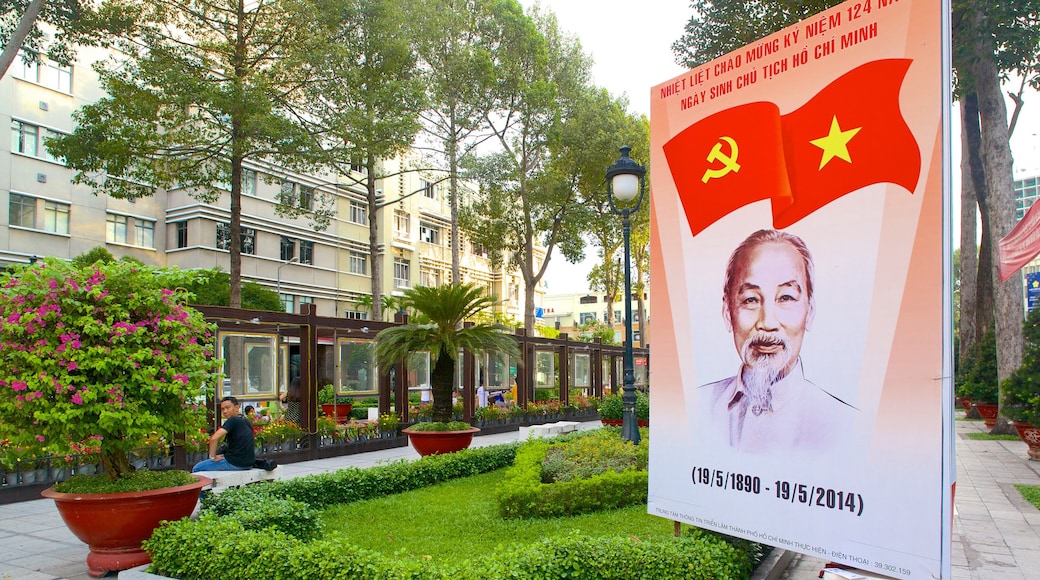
850, 135
1021, 245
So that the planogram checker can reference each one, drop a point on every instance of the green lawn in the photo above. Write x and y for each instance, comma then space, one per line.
992, 437
1031, 493
459, 520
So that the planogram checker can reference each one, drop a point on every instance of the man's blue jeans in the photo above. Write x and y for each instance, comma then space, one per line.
222, 465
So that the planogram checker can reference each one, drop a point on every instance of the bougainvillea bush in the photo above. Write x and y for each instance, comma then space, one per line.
107, 354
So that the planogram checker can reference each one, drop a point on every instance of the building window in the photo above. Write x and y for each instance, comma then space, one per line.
22, 210
358, 263
223, 236
429, 233
588, 299
115, 229
43, 72
288, 303
144, 233
358, 213
355, 315
23, 138
357, 165
430, 278
182, 234
429, 189
306, 252
301, 300
480, 250
402, 273
248, 241
306, 197
248, 182
402, 223
288, 249
586, 317
287, 193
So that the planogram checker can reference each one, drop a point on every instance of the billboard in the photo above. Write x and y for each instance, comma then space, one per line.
800, 252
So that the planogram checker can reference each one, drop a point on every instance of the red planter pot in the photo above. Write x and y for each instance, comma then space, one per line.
432, 442
339, 411
115, 524
1031, 436
988, 413
965, 403
620, 422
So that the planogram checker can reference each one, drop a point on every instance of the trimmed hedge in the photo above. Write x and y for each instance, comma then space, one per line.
523, 495
353, 484
213, 547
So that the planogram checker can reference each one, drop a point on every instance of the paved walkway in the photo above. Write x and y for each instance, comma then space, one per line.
996, 532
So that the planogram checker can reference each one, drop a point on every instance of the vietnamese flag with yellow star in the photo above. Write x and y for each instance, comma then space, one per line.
851, 134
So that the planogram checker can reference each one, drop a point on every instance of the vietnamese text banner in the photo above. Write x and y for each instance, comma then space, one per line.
798, 392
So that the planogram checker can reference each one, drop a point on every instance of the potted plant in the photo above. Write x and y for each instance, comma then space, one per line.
334, 406
439, 314
1020, 392
978, 379
105, 356
611, 410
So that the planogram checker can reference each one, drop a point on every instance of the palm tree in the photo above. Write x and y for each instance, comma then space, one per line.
440, 313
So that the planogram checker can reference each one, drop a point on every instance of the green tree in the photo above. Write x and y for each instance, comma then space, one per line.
95, 254
525, 198
439, 329
592, 329
73, 22
213, 288
366, 98
187, 110
455, 53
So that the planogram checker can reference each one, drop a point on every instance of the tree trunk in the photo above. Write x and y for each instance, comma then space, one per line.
968, 331
19, 35
442, 379
373, 242
996, 157
453, 201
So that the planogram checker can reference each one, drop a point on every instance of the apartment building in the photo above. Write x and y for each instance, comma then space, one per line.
42, 213
567, 312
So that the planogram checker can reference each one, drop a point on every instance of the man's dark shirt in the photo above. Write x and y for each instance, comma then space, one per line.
241, 446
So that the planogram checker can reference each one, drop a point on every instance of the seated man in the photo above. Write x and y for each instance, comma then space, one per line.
241, 447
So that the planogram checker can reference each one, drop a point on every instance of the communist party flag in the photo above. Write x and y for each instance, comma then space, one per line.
1021, 245
849, 135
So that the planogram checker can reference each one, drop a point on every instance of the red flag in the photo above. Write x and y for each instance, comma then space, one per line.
849, 135
1021, 245
728, 160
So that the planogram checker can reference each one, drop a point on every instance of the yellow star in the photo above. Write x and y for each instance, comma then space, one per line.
835, 144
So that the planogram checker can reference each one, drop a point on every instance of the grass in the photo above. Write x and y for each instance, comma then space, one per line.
992, 437
1031, 493
451, 520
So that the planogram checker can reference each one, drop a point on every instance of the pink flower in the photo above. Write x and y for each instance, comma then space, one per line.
40, 438
182, 378
78, 400
18, 385
73, 366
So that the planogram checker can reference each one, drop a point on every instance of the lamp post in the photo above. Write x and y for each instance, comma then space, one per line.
625, 181
278, 283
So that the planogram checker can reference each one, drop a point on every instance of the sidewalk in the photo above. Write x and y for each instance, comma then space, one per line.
996, 532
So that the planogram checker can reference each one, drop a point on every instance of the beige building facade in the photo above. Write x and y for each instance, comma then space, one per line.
42, 213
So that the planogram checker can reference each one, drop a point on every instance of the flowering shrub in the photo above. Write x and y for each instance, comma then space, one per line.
106, 353
389, 422
278, 430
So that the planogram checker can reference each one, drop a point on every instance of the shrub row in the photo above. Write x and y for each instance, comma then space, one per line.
214, 547
354, 484
523, 495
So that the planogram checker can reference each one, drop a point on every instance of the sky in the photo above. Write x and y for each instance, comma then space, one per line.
630, 44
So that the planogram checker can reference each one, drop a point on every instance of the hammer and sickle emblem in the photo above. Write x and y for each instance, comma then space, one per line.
729, 162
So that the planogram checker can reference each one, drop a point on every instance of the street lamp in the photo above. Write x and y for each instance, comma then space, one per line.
625, 181
278, 284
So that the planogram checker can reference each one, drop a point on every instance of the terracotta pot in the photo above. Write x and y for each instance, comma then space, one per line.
621, 422
114, 525
431, 442
339, 411
1031, 436
965, 403
988, 413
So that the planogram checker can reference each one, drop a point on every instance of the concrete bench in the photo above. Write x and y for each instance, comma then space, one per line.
227, 479
548, 429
